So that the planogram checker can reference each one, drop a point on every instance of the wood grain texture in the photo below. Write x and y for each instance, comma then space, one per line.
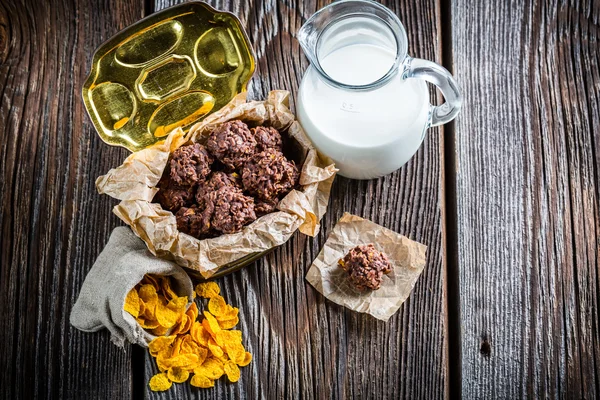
53, 224
528, 153
303, 346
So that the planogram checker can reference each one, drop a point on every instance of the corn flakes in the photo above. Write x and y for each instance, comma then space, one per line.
178, 374
132, 303
160, 382
202, 344
217, 306
202, 381
232, 371
208, 289
247, 360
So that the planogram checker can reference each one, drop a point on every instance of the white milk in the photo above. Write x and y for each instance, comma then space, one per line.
359, 64
347, 123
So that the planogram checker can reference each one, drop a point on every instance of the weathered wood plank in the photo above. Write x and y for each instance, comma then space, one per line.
527, 159
304, 346
53, 224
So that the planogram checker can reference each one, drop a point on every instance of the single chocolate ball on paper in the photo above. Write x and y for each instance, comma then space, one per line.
366, 266
217, 180
194, 221
190, 164
269, 174
232, 143
232, 209
267, 138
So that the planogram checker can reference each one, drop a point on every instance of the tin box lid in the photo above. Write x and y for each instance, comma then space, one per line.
169, 70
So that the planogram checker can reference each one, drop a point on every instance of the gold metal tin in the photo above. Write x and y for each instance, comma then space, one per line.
168, 70
231, 267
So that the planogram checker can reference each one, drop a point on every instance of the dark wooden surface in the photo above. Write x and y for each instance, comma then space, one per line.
527, 194
506, 198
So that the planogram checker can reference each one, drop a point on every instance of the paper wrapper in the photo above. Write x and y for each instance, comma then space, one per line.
406, 256
134, 183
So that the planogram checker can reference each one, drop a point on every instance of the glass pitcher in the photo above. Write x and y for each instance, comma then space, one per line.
363, 101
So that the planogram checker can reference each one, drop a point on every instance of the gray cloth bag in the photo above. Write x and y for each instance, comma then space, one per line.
121, 265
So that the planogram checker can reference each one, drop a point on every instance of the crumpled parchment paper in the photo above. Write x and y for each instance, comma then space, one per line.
406, 256
134, 183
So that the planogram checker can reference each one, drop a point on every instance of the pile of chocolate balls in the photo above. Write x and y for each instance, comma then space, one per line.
239, 175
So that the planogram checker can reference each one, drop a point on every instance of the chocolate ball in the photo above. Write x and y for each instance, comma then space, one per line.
194, 221
232, 143
269, 174
262, 207
190, 164
232, 209
267, 138
217, 180
366, 266
174, 197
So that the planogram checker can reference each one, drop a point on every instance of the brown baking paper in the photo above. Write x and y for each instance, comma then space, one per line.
134, 183
406, 256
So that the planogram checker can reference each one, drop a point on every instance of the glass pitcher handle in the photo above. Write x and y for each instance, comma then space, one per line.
440, 77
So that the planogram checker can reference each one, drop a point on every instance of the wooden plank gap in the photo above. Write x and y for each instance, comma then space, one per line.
449, 222
149, 7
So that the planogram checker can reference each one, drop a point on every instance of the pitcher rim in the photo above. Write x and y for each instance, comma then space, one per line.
400, 38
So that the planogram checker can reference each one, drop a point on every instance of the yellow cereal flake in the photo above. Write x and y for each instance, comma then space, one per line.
160, 343
186, 361
132, 303
229, 313
180, 325
178, 374
212, 369
142, 307
200, 334
168, 315
211, 325
146, 323
236, 352
225, 337
189, 346
228, 323
207, 289
176, 348
166, 288
202, 381
214, 348
247, 360
217, 306
148, 294
192, 312
232, 371
159, 383
160, 331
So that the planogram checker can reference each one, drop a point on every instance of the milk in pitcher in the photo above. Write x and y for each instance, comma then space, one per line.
364, 120
363, 101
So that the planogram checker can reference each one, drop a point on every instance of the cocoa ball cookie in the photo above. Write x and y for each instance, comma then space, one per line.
194, 221
217, 180
232, 209
232, 143
269, 174
190, 164
365, 266
173, 197
262, 207
267, 138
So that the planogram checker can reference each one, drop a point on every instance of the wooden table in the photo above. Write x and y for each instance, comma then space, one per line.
506, 199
